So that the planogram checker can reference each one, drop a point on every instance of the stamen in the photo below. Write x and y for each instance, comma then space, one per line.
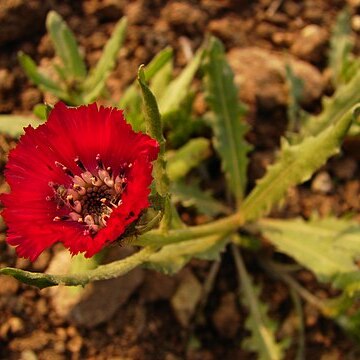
92, 197
80, 164
64, 169
99, 162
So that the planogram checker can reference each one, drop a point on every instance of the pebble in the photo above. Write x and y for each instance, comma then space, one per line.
310, 44
322, 183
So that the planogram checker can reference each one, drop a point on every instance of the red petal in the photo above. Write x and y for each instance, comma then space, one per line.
80, 132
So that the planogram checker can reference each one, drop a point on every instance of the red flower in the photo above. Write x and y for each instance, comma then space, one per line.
80, 179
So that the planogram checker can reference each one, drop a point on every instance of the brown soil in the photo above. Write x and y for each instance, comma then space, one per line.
140, 323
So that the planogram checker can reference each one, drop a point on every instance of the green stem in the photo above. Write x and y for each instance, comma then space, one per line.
103, 272
158, 238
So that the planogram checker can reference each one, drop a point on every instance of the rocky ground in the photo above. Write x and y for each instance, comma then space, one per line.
142, 316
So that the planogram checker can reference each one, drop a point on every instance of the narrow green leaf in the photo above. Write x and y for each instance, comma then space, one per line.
328, 247
262, 340
65, 46
178, 89
191, 195
131, 97
296, 164
163, 58
102, 272
162, 79
341, 61
39, 79
154, 129
13, 125
227, 123
334, 108
95, 82
181, 161
171, 258
296, 88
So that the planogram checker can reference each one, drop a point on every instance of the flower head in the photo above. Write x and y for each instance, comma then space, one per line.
81, 179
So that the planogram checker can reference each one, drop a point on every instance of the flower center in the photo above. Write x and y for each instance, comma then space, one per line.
92, 196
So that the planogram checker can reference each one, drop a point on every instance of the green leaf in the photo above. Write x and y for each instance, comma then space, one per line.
296, 91
131, 99
296, 164
160, 60
327, 247
162, 78
262, 340
39, 79
191, 195
95, 82
181, 161
227, 123
341, 45
154, 129
102, 272
131, 96
65, 46
178, 89
334, 108
13, 125
42, 111
171, 258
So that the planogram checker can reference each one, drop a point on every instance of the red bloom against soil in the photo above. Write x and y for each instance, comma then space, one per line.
79, 179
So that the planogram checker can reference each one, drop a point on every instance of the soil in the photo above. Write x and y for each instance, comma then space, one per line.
145, 321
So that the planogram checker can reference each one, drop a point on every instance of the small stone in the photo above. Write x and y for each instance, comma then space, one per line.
322, 183
186, 298
98, 301
310, 44
229, 28
185, 15
261, 76
74, 345
355, 23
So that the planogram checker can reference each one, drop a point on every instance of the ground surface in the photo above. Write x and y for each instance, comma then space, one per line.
132, 318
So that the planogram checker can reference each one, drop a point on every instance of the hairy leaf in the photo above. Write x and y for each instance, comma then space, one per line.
171, 258
296, 164
13, 125
39, 79
178, 89
334, 108
95, 82
227, 123
262, 328
191, 195
181, 161
65, 46
154, 129
328, 247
